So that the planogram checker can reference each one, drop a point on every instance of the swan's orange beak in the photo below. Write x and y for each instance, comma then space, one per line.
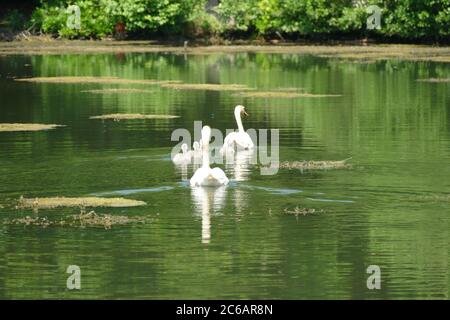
245, 113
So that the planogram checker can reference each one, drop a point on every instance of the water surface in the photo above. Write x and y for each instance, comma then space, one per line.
389, 210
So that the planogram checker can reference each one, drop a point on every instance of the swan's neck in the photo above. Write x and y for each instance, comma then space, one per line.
205, 154
237, 115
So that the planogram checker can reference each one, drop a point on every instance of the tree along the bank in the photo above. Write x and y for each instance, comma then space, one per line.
401, 19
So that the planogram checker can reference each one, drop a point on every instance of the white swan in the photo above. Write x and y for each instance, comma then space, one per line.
183, 157
197, 152
205, 176
241, 138
196, 146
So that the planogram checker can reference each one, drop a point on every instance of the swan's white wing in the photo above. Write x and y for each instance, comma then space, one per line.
219, 175
228, 143
243, 140
229, 139
199, 177
208, 178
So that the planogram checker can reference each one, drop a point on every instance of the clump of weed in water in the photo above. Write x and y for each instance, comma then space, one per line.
82, 220
17, 127
206, 86
133, 116
435, 80
316, 165
99, 80
56, 202
282, 94
435, 197
118, 90
297, 211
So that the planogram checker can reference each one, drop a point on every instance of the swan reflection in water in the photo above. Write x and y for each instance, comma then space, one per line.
208, 201
182, 168
237, 163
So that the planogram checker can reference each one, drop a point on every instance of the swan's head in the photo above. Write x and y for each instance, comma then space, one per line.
184, 147
206, 135
196, 146
239, 109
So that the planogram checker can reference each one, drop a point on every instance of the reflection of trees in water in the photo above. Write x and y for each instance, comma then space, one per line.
381, 94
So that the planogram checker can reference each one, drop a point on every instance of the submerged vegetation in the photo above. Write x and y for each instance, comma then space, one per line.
82, 220
12, 127
133, 116
56, 202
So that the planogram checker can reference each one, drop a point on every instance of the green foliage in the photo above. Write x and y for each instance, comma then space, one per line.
410, 19
238, 15
150, 15
98, 17
416, 19
203, 24
53, 19
291, 16
406, 18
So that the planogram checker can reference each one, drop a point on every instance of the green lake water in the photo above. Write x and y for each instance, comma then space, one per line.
391, 209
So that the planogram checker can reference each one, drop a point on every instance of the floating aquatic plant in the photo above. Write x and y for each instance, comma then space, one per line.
297, 211
11, 127
435, 80
90, 219
282, 94
435, 197
133, 116
290, 89
117, 90
100, 80
55, 202
312, 165
206, 86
